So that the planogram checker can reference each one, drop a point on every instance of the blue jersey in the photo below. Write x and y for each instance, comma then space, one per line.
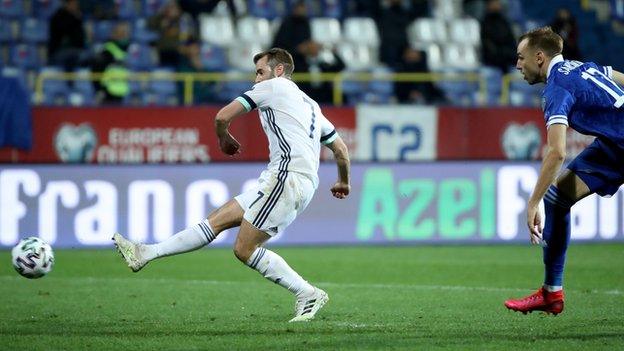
584, 97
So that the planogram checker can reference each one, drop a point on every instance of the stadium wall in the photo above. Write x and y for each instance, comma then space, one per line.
372, 132
391, 203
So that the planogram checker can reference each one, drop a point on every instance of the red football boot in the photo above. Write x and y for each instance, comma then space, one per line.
541, 300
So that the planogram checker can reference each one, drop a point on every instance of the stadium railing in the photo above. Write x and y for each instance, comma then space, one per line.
188, 80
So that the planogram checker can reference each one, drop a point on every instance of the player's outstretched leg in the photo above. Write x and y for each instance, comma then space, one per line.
309, 299
137, 255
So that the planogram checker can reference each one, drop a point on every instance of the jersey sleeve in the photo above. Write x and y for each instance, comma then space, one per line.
328, 131
557, 105
257, 97
607, 70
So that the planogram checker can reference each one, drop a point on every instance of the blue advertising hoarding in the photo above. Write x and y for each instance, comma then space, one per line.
437, 202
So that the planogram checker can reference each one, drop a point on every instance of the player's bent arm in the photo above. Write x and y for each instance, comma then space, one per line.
341, 154
618, 77
226, 115
551, 164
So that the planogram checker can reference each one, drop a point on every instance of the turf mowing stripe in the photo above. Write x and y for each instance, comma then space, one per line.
322, 284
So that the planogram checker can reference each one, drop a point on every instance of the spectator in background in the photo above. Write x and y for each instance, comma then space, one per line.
197, 7
498, 43
111, 62
564, 24
396, 52
191, 62
66, 44
294, 35
174, 27
474, 8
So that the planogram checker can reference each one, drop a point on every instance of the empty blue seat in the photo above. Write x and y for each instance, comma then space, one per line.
141, 33
163, 82
126, 9
262, 8
44, 9
102, 30
213, 58
141, 57
229, 90
12, 8
151, 7
331, 8
34, 30
7, 32
24, 56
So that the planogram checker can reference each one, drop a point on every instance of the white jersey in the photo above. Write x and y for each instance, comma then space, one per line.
293, 123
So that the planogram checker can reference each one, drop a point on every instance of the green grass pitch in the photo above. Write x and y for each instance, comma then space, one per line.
390, 298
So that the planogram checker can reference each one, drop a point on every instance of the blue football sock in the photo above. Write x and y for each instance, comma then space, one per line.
556, 234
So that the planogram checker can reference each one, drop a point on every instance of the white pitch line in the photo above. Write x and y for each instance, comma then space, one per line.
324, 284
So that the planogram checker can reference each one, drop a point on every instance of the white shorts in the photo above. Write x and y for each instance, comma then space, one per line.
276, 201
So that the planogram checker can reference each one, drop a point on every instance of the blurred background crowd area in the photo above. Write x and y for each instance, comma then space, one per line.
183, 52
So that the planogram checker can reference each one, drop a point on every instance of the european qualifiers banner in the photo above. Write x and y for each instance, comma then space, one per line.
449, 202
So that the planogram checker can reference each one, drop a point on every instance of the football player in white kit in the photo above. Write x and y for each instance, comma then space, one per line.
296, 128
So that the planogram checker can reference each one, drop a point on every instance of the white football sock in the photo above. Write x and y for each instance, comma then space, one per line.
275, 269
553, 288
189, 239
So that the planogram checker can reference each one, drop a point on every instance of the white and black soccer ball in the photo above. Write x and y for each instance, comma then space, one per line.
32, 258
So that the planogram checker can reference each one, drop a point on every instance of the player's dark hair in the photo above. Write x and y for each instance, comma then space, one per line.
276, 56
544, 39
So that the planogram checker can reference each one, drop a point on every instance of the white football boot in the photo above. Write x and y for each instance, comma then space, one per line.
307, 306
130, 252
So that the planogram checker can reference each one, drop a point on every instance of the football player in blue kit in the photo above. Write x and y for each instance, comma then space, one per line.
587, 98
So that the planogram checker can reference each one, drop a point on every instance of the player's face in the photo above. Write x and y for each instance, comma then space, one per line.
263, 70
527, 63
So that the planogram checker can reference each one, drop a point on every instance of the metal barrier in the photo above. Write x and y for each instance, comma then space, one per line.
188, 79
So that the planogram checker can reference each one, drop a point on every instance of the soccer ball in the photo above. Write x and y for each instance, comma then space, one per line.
32, 258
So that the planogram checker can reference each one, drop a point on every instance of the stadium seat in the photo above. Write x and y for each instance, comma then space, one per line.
141, 57
151, 7
25, 56
126, 9
262, 8
254, 30
213, 58
83, 83
458, 92
227, 90
460, 56
465, 31
162, 82
55, 91
493, 80
427, 30
17, 73
217, 30
12, 8
356, 56
241, 57
44, 9
8, 31
381, 88
326, 30
141, 33
331, 8
435, 60
361, 30
102, 30
523, 94
446, 9
80, 98
34, 30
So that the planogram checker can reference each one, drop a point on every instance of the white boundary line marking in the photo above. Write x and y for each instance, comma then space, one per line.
322, 284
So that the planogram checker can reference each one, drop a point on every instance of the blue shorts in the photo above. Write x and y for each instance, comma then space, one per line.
600, 167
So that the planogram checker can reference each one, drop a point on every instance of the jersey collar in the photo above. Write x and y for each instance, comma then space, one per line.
553, 62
